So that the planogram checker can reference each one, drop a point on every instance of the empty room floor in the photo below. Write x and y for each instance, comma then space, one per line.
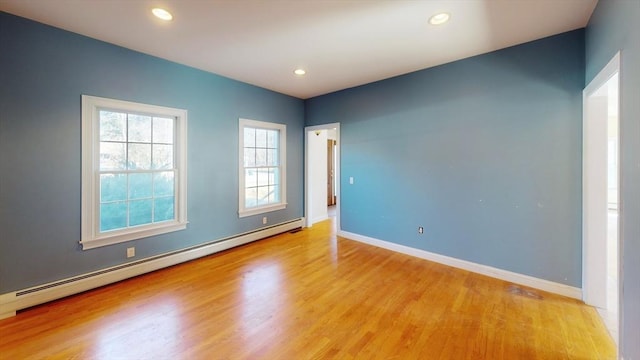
308, 295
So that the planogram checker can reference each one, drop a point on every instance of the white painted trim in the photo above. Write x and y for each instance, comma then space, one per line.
593, 266
262, 210
13, 301
594, 200
150, 230
90, 234
307, 197
610, 320
318, 219
593, 269
612, 67
8, 298
505, 275
282, 164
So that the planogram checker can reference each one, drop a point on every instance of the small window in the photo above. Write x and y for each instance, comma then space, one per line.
262, 167
133, 171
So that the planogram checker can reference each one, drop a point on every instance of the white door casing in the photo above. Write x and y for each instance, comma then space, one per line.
594, 187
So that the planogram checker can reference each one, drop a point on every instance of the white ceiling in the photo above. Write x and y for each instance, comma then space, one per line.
341, 43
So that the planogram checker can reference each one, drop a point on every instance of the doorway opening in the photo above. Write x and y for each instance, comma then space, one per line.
601, 201
322, 173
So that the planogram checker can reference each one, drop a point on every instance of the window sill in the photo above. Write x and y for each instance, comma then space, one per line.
261, 210
119, 237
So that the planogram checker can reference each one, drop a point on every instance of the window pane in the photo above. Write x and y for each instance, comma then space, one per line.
263, 177
163, 184
273, 176
249, 157
261, 138
140, 186
139, 128
250, 197
140, 212
163, 130
163, 209
250, 178
249, 137
272, 157
113, 216
263, 195
273, 198
139, 156
162, 156
272, 139
113, 187
261, 157
112, 156
113, 126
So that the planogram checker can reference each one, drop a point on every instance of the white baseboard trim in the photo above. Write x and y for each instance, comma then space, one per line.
320, 218
541, 284
610, 320
14, 301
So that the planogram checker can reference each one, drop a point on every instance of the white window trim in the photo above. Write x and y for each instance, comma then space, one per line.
90, 224
282, 147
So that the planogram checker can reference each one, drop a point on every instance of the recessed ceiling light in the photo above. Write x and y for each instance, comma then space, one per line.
439, 19
162, 14
299, 72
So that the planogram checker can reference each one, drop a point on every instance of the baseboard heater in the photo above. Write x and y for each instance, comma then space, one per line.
18, 300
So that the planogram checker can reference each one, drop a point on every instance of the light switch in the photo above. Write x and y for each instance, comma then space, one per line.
351, 180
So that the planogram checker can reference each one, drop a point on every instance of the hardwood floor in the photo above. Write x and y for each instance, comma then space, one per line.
308, 295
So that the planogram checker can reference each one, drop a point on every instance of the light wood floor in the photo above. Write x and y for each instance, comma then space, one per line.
308, 295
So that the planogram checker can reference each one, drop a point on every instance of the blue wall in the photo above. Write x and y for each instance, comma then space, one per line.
615, 26
485, 153
44, 71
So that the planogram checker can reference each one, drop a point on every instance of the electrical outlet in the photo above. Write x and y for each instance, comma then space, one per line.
420, 230
131, 252
264, 220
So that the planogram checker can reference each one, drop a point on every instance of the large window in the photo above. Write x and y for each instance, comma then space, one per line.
133, 170
262, 167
